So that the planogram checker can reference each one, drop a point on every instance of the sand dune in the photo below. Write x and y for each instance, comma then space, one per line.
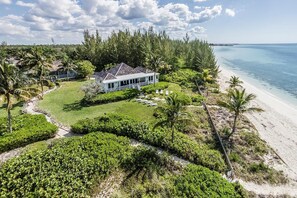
277, 125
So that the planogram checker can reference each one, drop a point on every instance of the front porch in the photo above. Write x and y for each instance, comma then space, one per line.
136, 83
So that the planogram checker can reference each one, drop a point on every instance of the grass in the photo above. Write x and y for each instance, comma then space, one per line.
64, 105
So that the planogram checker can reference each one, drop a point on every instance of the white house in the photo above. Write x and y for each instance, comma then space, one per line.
122, 76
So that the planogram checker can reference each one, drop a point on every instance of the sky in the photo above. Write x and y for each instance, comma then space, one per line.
216, 21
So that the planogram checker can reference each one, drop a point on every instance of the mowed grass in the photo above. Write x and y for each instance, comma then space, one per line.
64, 105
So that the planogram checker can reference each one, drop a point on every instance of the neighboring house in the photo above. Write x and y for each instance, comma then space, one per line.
58, 72
122, 76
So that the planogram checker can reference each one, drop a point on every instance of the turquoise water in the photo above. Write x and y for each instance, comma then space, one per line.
271, 67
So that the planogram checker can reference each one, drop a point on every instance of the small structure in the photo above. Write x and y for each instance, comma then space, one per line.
122, 76
57, 72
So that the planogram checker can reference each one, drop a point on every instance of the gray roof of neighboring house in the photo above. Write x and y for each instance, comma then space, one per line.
120, 70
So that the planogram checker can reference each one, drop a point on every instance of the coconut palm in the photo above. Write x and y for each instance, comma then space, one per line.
174, 113
12, 86
205, 77
38, 64
238, 103
234, 81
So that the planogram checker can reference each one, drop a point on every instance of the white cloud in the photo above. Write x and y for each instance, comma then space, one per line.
206, 14
133, 9
23, 4
200, 0
230, 12
8, 28
5, 1
55, 18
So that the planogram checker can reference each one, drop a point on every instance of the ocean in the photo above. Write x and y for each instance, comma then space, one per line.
271, 67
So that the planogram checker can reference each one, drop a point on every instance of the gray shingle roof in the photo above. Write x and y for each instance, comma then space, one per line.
120, 70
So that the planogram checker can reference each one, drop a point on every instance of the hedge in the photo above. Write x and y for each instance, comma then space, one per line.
114, 96
148, 89
70, 167
183, 145
26, 130
197, 181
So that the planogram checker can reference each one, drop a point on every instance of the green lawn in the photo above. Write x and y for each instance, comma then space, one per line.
16, 110
64, 105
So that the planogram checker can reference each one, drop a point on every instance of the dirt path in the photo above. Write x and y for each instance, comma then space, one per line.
31, 108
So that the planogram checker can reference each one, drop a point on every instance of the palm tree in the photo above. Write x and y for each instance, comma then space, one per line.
154, 62
174, 113
67, 65
238, 103
205, 77
234, 82
12, 86
39, 64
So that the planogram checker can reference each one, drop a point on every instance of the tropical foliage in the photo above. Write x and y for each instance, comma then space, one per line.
174, 113
13, 85
197, 181
26, 129
37, 63
67, 168
183, 145
234, 82
238, 102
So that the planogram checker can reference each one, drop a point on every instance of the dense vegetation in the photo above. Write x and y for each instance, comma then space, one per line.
183, 145
146, 48
104, 98
26, 129
67, 168
197, 181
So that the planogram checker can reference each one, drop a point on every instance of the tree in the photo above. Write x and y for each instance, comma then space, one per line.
38, 64
85, 69
12, 86
91, 90
67, 65
174, 113
205, 77
234, 81
238, 103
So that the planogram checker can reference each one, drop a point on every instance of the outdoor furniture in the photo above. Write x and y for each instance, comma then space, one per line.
157, 91
161, 91
166, 93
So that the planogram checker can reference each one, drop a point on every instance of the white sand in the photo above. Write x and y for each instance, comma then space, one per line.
277, 126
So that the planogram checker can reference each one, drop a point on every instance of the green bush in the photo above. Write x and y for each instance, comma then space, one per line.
26, 129
197, 181
114, 96
148, 89
67, 168
183, 77
183, 146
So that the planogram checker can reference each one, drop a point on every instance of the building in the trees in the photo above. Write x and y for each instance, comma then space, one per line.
122, 76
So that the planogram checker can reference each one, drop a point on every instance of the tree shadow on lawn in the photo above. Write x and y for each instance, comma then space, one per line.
76, 106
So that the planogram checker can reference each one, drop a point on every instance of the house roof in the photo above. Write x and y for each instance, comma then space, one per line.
121, 70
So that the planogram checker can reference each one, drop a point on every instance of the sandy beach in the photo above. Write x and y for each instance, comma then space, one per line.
277, 125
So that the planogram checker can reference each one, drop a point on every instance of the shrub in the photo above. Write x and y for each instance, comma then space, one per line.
183, 146
85, 68
26, 129
183, 77
67, 168
197, 181
114, 96
148, 89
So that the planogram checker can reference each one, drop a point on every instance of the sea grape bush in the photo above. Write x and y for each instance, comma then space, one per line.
183, 146
69, 167
26, 129
148, 89
197, 181
113, 96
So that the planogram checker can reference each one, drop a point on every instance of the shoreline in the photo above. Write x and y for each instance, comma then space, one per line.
276, 125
